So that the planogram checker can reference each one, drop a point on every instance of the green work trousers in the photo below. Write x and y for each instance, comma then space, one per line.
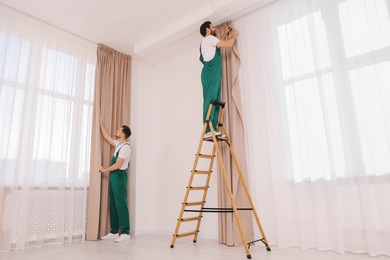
211, 82
119, 213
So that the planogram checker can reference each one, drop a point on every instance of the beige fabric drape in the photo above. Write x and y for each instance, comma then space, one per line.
228, 230
111, 102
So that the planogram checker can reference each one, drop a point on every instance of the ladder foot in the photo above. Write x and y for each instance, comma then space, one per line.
172, 246
268, 249
194, 241
249, 256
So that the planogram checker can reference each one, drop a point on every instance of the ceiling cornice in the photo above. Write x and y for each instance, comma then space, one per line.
218, 12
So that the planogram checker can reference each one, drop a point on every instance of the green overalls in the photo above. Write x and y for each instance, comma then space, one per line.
119, 213
211, 82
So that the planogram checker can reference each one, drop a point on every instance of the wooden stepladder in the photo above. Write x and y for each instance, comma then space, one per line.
186, 205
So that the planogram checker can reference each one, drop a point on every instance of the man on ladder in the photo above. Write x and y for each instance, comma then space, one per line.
213, 113
210, 56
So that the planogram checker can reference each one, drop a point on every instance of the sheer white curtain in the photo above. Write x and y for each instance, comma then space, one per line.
46, 92
315, 77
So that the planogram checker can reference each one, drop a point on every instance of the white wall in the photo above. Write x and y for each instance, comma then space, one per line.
169, 123
141, 170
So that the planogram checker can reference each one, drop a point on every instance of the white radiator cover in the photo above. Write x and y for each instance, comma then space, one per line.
58, 214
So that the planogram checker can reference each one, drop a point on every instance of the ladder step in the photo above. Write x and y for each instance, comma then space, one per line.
187, 234
189, 219
199, 188
219, 139
207, 156
202, 172
195, 203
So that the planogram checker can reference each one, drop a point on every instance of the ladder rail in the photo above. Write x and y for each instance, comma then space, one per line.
189, 185
227, 184
243, 182
204, 195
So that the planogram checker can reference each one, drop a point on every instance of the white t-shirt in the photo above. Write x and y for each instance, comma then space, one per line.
124, 153
208, 47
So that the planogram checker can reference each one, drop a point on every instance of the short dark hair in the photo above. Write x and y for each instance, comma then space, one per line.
203, 28
126, 130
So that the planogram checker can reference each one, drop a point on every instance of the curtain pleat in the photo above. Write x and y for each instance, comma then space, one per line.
228, 230
316, 90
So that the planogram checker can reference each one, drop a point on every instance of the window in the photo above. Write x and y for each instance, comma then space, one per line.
336, 82
60, 101
14, 60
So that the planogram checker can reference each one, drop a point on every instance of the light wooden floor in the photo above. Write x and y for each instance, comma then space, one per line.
157, 247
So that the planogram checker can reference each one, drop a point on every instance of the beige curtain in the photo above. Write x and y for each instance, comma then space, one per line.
111, 102
228, 230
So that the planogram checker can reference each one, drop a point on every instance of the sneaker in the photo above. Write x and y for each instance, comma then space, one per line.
110, 236
209, 134
122, 237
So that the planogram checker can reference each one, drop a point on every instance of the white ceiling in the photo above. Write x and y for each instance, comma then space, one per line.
136, 27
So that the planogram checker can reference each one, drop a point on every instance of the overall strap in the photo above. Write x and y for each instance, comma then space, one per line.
116, 155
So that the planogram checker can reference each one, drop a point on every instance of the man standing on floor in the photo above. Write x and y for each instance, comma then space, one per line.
210, 56
119, 213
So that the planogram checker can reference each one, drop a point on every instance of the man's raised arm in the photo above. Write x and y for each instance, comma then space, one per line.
229, 43
105, 134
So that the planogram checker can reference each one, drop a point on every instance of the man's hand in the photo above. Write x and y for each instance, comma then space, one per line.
228, 43
101, 169
227, 30
106, 136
